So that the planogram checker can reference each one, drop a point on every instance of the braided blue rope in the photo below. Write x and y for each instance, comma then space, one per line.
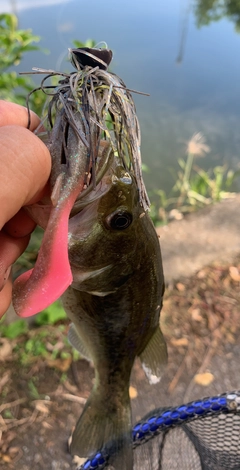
161, 420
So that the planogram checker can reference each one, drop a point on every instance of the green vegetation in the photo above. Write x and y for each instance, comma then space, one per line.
14, 43
47, 342
51, 315
194, 187
13, 330
89, 43
207, 11
33, 391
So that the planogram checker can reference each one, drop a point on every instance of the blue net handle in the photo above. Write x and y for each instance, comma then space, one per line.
163, 419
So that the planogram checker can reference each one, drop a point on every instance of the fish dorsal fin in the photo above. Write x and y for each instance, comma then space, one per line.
154, 357
75, 341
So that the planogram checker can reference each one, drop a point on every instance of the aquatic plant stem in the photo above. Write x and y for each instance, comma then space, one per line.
186, 178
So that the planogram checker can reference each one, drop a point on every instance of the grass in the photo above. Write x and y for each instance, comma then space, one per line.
194, 187
47, 342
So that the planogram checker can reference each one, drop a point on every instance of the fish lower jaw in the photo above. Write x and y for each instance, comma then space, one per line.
80, 276
100, 294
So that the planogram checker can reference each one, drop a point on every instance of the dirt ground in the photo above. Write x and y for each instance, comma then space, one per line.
201, 238
43, 393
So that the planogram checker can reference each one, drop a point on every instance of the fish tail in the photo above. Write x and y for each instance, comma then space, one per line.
105, 422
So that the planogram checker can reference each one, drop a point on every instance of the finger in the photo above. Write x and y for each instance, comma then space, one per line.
25, 169
5, 297
10, 250
11, 113
20, 225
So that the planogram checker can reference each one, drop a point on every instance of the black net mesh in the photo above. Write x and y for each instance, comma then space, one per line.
201, 435
208, 443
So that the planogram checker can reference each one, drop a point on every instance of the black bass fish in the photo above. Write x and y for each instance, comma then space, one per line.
114, 303
107, 252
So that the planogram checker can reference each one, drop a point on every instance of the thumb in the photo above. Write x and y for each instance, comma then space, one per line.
25, 168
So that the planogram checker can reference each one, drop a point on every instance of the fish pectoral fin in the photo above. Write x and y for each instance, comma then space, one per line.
154, 357
75, 341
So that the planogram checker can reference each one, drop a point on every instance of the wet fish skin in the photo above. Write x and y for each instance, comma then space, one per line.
114, 303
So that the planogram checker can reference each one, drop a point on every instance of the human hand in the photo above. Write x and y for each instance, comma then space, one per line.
25, 166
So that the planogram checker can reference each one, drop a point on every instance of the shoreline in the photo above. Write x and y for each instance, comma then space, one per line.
200, 238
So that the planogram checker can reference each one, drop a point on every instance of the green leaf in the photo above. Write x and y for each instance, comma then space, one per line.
51, 315
182, 163
33, 390
14, 330
145, 168
88, 43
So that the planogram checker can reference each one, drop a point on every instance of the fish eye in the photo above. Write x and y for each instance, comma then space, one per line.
119, 220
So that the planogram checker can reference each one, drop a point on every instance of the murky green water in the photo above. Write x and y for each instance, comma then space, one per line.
201, 93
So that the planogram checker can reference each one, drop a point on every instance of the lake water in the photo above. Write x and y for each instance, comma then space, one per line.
199, 94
